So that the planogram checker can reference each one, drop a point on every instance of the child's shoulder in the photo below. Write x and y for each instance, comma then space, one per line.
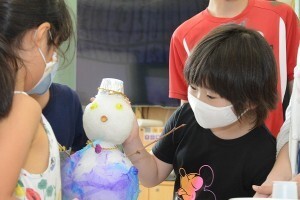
23, 118
262, 136
188, 26
282, 9
24, 102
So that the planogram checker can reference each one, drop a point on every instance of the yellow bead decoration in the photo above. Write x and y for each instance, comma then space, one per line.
119, 106
94, 106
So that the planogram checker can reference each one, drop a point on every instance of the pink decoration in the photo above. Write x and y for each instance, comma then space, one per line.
98, 148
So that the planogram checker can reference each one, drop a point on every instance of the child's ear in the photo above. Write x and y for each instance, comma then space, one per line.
41, 34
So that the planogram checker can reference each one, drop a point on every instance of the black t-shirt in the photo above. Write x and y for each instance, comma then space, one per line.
208, 167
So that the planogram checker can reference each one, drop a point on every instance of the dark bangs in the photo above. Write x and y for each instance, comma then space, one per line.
238, 64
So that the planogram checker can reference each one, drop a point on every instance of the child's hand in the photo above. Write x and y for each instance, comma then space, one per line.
134, 133
265, 190
262, 191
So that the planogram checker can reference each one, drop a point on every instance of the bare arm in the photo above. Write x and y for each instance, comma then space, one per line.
16, 135
282, 168
152, 171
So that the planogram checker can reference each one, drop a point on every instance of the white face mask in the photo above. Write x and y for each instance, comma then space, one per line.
209, 116
50, 70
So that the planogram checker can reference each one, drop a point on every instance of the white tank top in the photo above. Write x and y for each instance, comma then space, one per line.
46, 185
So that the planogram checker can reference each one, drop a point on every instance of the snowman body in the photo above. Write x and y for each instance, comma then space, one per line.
100, 170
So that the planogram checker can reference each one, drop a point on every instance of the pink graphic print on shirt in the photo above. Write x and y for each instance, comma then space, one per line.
192, 182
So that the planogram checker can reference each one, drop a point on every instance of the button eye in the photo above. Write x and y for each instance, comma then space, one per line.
94, 105
119, 106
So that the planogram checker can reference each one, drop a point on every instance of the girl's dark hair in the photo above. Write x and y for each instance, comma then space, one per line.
8, 69
16, 18
239, 65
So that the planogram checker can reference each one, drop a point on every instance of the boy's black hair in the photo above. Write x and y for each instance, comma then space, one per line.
239, 65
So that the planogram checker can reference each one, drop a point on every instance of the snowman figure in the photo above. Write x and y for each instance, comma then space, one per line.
100, 170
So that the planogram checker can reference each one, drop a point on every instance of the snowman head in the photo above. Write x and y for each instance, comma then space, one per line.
109, 118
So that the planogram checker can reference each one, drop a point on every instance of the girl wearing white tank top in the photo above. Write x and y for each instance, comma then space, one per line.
29, 39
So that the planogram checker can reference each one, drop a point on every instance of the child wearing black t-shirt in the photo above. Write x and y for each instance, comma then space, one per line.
224, 148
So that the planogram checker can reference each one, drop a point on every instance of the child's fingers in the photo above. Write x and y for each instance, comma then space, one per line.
296, 178
265, 190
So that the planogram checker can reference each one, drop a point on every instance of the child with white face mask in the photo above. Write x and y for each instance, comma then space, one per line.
30, 36
224, 148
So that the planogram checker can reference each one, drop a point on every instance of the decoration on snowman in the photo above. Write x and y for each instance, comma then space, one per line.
100, 170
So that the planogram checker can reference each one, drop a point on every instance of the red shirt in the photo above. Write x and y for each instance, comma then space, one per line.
276, 21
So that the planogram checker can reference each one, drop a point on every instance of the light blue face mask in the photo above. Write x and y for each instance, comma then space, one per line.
45, 82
